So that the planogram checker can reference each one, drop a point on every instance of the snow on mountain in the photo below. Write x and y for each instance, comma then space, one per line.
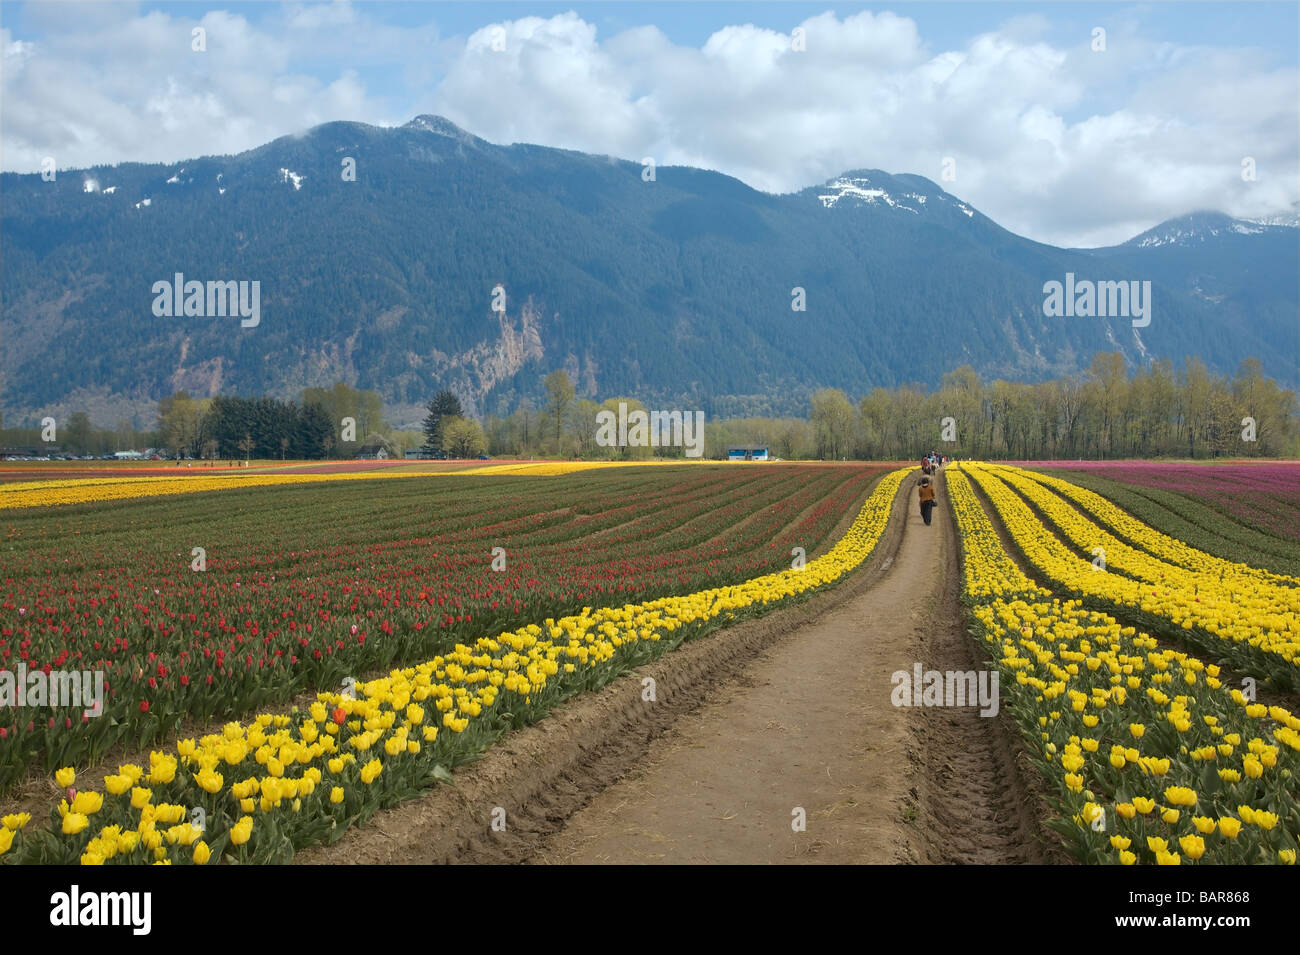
1202, 226
860, 188
439, 125
1287, 220
288, 175
865, 189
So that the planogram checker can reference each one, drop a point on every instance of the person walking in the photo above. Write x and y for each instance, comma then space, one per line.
926, 493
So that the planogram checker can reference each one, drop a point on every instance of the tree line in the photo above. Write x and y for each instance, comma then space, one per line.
1108, 411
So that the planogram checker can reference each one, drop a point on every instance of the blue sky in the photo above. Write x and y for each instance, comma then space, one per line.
1244, 23
1053, 139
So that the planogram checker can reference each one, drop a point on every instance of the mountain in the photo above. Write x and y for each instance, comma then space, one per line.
675, 287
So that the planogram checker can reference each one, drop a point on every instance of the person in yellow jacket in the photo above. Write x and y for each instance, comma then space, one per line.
926, 493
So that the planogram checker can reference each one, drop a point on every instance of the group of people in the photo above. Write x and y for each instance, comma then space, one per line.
932, 462
929, 465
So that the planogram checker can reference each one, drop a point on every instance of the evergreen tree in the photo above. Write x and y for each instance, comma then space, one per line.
443, 405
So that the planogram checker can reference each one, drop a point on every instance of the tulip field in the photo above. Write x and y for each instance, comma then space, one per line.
293, 652
307, 587
1249, 513
1151, 753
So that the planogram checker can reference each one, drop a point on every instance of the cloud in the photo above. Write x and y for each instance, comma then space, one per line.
1056, 141
1018, 114
130, 87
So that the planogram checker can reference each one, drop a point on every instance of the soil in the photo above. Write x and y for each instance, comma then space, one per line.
776, 720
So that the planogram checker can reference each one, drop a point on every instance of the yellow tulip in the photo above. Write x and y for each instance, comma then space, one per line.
161, 770
241, 831
65, 777
73, 823
127, 841
201, 853
209, 781
88, 803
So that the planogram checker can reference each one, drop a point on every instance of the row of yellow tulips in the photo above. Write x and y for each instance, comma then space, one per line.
89, 490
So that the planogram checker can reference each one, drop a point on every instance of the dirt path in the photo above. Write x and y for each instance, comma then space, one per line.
809, 727
752, 727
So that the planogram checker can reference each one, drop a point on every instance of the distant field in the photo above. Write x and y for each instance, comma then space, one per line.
43, 486
70, 470
1262, 495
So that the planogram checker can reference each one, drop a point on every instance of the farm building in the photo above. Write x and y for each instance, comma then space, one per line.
746, 454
